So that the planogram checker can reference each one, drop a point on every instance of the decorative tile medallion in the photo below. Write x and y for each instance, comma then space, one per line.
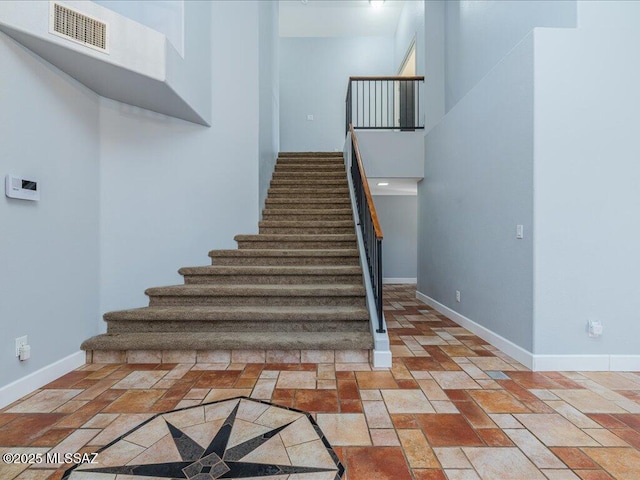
239, 438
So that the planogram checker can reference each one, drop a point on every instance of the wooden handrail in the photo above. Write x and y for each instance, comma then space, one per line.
418, 78
365, 183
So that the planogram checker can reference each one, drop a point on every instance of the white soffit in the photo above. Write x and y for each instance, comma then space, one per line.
397, 186
338, 18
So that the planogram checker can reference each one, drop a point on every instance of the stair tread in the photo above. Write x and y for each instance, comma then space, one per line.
240, 312
230, 341
307, 211
306, 223
272, 270
257, 289
296, 237
310, 154
338, 252
302, 199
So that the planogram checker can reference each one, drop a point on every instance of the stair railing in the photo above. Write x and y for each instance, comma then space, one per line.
369, 225
384, 103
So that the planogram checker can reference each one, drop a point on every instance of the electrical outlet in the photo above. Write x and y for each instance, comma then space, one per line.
310, 117
594, 328
20, 341
457, 295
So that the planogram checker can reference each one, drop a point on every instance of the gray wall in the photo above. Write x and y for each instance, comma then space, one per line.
269, 85
398, 216
392, 153
314, 74
434, 13
165, 16
478, 185
410, 27
587, 179
480, 34
171, 190
49, 249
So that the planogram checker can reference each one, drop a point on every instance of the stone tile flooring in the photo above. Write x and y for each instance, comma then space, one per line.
452, 407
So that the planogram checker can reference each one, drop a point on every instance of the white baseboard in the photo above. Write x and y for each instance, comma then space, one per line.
539, 363
624, 363
399, 280
21, 387
587, 363
568, 363
507, 346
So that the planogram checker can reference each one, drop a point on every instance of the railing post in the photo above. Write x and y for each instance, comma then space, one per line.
379, 288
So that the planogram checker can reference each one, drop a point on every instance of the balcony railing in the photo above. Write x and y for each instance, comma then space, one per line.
369, 225
384, 103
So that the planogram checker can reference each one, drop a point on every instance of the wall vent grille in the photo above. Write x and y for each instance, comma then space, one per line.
78, 27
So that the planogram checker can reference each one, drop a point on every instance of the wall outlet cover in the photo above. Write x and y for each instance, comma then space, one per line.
20, 341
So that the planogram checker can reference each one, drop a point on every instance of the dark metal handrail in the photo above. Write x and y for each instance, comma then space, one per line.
368, 221
384, 103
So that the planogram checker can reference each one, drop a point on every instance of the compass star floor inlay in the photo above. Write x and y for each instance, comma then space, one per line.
239, 438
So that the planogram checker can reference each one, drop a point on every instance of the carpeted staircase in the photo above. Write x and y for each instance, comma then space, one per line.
294, 292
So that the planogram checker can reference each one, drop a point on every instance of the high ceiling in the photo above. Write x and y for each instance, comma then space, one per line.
338, 18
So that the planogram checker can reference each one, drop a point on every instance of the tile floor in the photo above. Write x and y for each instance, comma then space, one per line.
452, 407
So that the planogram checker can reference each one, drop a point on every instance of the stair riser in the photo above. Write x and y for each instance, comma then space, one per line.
305, 217
303, 167
302, 205
305, 230
310, 182
308, 174
311, 156
353, 301
308, 196
331, 245
295, 325
272, 279
319, 166
272, 261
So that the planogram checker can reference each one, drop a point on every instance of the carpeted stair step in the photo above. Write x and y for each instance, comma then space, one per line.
276, 295
230, 341
306, 228
308, 192
311, 162
323, 203
310, 182
310, 167
263, 241
310, 155
279, 175
238, 319
307, 214
276, 274
285, 257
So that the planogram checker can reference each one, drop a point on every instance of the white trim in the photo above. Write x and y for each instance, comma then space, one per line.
566, 363
387, 280
624, 363
587, 363
539, 363
27, 384
507, 346
382, 359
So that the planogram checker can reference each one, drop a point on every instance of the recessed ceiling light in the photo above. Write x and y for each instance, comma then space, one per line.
376, 3
383, 184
